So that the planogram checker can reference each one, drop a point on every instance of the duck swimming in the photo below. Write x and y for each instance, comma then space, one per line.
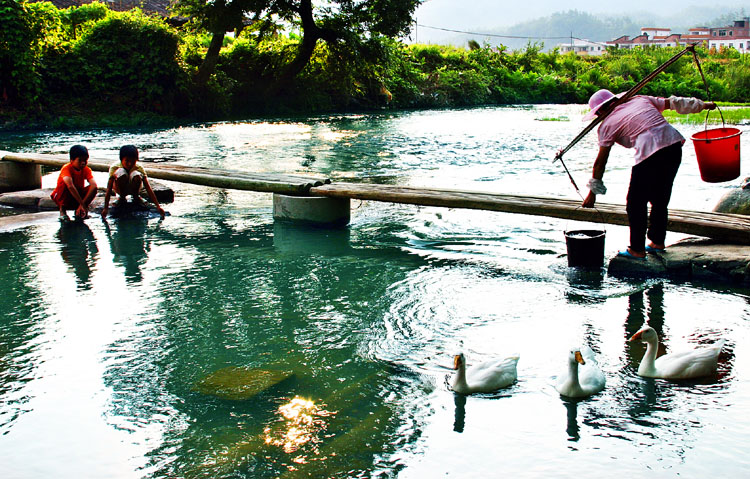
583, 377
694, 363
485, 377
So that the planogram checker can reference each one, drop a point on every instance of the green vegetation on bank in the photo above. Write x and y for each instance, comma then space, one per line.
731, 115
89, 65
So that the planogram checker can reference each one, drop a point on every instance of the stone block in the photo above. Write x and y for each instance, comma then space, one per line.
163, 193
21, 199
19, 176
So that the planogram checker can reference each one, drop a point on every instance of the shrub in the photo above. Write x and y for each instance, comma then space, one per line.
130, 58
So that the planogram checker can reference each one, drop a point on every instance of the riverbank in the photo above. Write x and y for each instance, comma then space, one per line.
99, 117
65, 74
19, 121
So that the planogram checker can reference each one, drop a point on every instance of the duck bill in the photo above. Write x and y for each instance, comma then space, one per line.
456, 361
637, 336
579, 358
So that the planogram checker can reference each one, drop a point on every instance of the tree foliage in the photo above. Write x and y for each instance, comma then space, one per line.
351, 22
87, 60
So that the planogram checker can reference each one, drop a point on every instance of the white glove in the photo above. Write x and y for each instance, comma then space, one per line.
685, 105
596, 186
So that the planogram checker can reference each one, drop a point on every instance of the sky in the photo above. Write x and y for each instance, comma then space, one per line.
460, 14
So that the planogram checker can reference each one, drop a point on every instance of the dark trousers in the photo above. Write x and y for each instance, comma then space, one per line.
651, 182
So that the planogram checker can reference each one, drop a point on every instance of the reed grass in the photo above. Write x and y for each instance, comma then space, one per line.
553, 118
734, 114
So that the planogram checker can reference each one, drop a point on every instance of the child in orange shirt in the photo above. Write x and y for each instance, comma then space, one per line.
71, 193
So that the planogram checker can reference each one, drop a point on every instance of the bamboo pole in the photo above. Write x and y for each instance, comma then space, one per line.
726, 227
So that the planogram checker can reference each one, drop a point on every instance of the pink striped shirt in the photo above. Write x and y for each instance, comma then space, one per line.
638, 123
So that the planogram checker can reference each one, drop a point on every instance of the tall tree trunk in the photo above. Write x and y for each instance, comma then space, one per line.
311, 33
209, 61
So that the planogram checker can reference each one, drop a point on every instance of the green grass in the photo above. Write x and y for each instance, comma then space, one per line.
559, 118
733, 114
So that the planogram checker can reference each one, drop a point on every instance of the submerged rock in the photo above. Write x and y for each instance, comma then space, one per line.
736, 201
238, 383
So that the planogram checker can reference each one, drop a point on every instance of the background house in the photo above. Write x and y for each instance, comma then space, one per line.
583, 47
735, 36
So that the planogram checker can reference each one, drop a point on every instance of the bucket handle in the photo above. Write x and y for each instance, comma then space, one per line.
708, 94
595, 209
705, 126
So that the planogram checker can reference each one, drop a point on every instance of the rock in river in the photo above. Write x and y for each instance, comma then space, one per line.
736, 201
239, 383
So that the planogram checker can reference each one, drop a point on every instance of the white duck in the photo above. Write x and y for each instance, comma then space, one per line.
584, 380
485, 377
694, 363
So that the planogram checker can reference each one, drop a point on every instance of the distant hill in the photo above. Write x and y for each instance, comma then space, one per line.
576, 24
560, 26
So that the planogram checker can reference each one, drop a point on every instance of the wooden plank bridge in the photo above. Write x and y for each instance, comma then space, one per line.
719, 226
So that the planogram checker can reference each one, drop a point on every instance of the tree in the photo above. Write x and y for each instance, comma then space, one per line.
334, 21
16, 56
217, 17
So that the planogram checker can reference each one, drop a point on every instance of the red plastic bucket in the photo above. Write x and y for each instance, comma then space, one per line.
718, 153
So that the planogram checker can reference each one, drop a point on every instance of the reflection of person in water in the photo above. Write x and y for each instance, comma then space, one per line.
78, 249
459, 419
645, 308
638, 312
128, 245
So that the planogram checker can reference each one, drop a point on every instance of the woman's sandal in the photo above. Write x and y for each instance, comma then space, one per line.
627, 254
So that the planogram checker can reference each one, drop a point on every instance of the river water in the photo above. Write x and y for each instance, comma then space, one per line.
109, 331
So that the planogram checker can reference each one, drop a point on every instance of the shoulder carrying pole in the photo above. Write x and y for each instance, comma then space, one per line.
614, 104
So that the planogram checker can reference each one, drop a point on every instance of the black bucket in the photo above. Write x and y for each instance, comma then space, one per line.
585, 248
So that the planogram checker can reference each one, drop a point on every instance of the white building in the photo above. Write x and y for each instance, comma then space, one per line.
741, 44
583, 47
652, 33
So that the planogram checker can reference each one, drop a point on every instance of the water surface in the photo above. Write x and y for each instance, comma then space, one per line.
106, 330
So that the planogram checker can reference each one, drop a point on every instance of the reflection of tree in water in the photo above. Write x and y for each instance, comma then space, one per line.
21, 309
253, 300
127, 239
79, 250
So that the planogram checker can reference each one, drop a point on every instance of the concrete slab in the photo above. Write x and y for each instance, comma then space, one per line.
39, 199
691, 259
14, 222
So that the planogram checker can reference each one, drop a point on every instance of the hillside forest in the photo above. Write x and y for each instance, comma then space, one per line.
87, 65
